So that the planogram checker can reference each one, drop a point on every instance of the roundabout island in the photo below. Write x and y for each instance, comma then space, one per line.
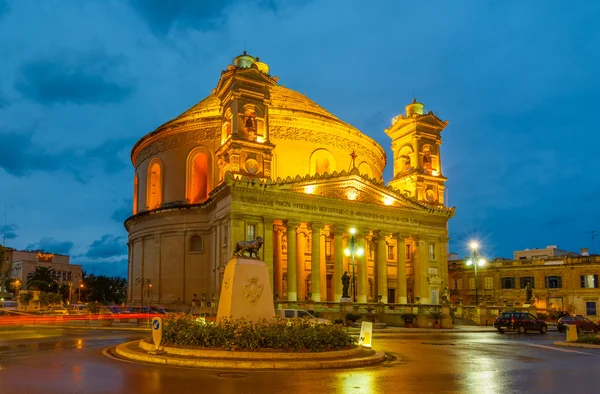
246, 333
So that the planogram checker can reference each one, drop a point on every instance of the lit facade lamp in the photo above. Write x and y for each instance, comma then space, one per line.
353, 250
475, 260
79, 293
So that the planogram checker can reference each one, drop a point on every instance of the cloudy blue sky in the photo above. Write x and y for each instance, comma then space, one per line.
82, 80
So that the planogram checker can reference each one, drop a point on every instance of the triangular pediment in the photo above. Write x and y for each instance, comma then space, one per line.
347, 187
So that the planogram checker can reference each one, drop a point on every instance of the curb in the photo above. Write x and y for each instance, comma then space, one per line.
249, 356
124, 350
575, 344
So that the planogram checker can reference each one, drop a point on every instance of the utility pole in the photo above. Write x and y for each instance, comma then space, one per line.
593, 234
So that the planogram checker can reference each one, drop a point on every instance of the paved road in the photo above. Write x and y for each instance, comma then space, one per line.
70, 361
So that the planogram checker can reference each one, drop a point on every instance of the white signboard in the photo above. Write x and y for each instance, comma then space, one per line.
366, 334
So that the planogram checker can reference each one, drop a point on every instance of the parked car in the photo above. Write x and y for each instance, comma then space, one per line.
292, 313
520, 322
582, 323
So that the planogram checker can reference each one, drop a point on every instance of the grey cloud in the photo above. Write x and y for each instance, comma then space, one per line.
108, 246
123, 212
52, 246
8, 231
77, 78
22, 155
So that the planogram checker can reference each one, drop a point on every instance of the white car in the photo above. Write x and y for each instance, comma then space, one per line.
59, 310
292, 313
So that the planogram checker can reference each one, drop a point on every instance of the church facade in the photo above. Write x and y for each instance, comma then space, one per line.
256, 159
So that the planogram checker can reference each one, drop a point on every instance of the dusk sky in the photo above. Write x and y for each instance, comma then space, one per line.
82, 80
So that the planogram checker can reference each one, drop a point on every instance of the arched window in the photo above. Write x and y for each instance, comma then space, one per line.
403, 159
429, 158
154, 195
322, 161
365, 168
196, 244
136, 190
198, 177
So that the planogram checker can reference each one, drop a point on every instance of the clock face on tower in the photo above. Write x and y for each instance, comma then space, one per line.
430, 195
251, 166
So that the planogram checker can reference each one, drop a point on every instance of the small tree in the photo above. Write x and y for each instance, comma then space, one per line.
47, 299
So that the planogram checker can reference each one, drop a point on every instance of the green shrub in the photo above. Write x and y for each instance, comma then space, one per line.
589, 338
281, 334
542, 316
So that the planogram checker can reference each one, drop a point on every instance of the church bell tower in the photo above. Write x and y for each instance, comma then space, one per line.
244, 91
416, 141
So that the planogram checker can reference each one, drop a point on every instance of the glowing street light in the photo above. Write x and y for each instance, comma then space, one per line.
353, 250
475, 261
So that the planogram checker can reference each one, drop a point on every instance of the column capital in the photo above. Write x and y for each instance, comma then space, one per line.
292, 223
279, 229
316, 226
379, 235
400, 235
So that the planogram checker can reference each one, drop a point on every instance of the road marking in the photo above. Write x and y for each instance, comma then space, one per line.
558, 349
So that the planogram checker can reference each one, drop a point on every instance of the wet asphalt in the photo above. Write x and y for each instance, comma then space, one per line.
72, 361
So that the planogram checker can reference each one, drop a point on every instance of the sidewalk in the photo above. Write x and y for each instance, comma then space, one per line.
455, 330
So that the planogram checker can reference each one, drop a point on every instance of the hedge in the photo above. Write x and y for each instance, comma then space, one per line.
276, 334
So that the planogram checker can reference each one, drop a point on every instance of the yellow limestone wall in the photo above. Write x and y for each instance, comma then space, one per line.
246, 291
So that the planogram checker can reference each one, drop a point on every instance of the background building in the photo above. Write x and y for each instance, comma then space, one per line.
257, 159
23, 262
559, 281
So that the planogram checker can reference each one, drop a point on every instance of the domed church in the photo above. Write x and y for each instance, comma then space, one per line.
256, 159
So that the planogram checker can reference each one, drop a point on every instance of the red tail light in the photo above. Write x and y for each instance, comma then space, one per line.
512, 319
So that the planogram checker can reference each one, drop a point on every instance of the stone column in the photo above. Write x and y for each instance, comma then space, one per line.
420, 258
268, 247
277, 262
338, 268
315, 261
323, 263
300, 271
362, 269
402, 299
292, 293
381, 265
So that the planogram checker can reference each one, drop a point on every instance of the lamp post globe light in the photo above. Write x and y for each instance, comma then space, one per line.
353, 250
475, 261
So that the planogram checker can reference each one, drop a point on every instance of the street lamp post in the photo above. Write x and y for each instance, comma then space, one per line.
475, 261
79, 293
353, 250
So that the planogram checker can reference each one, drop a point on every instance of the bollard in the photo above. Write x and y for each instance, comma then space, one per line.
571, 333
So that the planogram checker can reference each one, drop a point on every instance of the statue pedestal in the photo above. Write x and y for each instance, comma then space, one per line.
246, 291
346, 305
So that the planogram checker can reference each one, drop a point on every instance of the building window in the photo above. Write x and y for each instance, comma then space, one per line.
250, 232
589, 281
328, 250
390, 252
459, 284
553, 282
489, 282
408, 252
508, 283
471, 283
524, 279
453, 284
196, 244
431, 251
154, 180
590, 308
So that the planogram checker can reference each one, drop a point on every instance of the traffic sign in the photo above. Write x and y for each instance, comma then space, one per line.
157, 328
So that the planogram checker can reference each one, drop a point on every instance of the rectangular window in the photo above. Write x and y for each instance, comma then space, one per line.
553, 282
453, 284
589, 281
391, 252
431, 251
408, 252
489, 282
459, 284
471, 283
328, 250
524, 279
250, 232
507, 283
590, 308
